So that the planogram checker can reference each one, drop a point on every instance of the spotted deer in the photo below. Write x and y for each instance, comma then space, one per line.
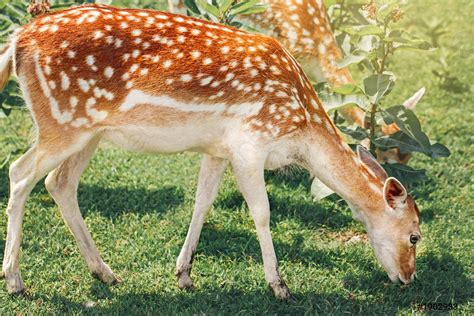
153, 81
303, 27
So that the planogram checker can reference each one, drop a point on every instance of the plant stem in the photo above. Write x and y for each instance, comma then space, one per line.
373, 110
341, 13
385, 52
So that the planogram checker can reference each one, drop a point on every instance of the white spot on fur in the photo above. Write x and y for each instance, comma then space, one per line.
186, 78
229, 76
108, 72
134, 68
97, 116
83, 85
65, 82
206, 81
98, 35
195, 54
225, 49
73, 101
71, 54
90, 60
118, 43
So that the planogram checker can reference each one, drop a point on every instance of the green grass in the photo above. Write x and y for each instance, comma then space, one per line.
138, 208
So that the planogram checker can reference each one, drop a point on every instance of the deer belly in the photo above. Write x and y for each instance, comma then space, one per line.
167, 139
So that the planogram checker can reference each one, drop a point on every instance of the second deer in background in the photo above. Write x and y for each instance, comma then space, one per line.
303, 27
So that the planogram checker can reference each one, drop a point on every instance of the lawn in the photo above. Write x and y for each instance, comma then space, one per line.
138, 208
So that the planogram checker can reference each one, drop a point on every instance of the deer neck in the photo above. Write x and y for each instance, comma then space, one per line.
334, 163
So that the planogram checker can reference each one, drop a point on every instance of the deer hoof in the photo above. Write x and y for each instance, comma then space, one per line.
14, 284
184, 280
280, 290
106, 275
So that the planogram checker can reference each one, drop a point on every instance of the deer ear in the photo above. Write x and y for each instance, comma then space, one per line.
411, 102
394, 193
371, 162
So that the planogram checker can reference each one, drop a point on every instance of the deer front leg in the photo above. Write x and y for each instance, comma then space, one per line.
62, 184
250, 178
210, 176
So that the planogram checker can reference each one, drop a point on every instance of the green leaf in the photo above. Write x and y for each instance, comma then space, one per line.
334, 101
248, 28
418, 46
191, 5
362, 30
258, 8
352, 58
242, 6
404, 40
355, 11
407, 121
439, 151
376, 86
236, 24
405, 174
357, 133
224, 5
400, 140
209, 8
15, 12
350, 88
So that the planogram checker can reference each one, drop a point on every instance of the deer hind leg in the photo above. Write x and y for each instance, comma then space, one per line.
250, 178
62, 184
24, 174
210, 176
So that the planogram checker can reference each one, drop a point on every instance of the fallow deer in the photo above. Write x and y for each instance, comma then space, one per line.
303, 27
159, 82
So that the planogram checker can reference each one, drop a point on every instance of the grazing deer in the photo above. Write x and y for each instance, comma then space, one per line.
159, 82
303, 27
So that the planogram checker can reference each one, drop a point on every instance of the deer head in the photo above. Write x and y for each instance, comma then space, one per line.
394, 228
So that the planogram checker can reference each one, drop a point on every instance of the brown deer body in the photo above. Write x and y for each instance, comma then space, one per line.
158, 82
303, 27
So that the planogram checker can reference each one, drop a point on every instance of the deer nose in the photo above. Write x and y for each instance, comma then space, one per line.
407, 281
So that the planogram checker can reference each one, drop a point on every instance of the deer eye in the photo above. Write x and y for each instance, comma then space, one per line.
414, 239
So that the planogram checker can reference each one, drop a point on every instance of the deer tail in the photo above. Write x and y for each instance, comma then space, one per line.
6, 58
